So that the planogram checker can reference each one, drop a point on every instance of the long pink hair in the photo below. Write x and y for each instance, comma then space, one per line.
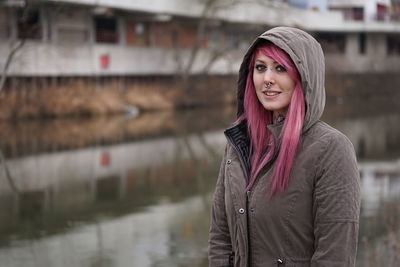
261, 139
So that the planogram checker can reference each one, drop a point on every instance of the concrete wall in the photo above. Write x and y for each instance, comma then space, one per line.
47, 59
62, 59
375, 58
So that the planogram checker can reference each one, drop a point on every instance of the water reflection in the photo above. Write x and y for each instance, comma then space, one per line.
120, 192
136, 202
22, 138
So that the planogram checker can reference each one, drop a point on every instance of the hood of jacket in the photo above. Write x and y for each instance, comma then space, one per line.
306, 53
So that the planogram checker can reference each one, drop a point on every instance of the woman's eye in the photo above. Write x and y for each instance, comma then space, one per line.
280, 68
260, 67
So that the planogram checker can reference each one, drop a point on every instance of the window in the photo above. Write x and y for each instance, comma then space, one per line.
3, 24
332, 42
381, 12
106, 30
298, 3
395, 10
28, 24
358, 13
215, 38
72, 26
361, 43
355, 13
393, 44
137, 33
237, 40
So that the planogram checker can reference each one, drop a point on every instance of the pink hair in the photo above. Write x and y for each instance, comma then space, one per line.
261, 139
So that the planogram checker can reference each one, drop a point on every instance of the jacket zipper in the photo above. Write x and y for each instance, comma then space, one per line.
248, 194
247, 197
248, 228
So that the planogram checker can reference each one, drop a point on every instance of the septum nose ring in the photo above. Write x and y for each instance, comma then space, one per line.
268, 85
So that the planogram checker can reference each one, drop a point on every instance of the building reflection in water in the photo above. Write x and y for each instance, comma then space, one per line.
119, 192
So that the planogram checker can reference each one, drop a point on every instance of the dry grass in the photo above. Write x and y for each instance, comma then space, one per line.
67, 100
90, 96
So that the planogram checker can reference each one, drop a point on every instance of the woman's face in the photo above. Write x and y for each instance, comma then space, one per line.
274, 87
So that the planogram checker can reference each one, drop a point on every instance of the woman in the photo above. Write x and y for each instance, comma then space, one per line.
288, 189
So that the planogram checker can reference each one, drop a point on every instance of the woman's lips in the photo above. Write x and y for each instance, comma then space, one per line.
271, 94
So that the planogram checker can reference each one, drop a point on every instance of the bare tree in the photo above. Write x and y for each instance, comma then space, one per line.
7, 173
9, 59
210, 9
18, 43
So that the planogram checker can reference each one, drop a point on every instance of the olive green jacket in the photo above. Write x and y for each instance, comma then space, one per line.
314, 222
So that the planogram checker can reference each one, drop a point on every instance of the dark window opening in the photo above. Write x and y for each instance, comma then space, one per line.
361, 43
28, 24
4, 25
395, 11
381, 12
393, 44
332, 42
358, 13
106, 30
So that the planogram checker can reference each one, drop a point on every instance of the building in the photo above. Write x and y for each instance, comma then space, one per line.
363, 10
315, 5
86, 38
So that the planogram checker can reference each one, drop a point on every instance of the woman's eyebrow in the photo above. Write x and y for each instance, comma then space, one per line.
262, 61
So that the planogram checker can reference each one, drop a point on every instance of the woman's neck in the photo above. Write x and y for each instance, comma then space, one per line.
278, 117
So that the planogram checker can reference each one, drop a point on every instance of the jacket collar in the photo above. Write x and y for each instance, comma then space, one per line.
238, 136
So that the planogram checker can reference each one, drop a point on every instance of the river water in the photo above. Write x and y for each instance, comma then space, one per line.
120, 191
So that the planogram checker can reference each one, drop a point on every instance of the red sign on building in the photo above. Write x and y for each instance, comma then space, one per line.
104, 61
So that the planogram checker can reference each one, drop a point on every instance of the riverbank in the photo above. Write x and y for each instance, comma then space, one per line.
26, 98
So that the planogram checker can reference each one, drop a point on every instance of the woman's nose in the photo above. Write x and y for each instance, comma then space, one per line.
268, 76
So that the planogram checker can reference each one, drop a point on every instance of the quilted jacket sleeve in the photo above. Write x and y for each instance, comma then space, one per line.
336, 204
220, 247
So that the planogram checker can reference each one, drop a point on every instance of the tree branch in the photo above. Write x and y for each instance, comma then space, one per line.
208, 6
9, 178
10, 56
